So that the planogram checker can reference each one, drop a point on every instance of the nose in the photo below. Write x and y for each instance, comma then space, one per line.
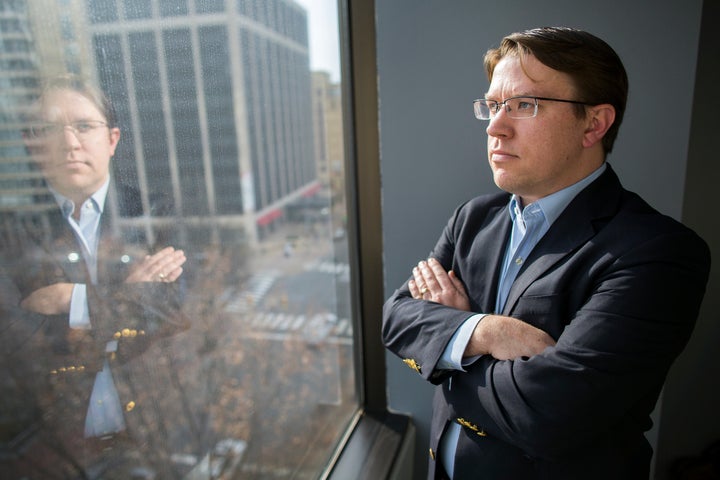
70, 137
499, 125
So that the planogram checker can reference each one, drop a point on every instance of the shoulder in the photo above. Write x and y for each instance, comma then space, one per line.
639, 221
482, 213
625, 215
482, 206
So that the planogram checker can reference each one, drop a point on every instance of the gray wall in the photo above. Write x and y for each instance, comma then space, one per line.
433, 150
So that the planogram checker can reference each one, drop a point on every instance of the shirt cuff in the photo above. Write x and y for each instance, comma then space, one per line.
452, 357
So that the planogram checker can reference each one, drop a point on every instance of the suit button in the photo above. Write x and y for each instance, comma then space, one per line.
471, 426
413, 364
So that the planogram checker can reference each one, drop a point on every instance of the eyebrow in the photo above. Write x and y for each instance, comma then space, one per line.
513, 96
76, 120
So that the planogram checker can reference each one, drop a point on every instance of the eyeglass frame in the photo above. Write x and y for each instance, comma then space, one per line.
504, 105
40, 130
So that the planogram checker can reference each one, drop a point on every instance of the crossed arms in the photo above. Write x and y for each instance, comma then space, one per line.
583, 350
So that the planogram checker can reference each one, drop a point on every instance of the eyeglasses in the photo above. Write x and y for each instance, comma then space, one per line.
82, 129
516, 107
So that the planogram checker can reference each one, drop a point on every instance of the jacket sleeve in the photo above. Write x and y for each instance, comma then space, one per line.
418, 331
136, 314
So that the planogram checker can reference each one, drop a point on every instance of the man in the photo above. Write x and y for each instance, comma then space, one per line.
89, 302
549, 314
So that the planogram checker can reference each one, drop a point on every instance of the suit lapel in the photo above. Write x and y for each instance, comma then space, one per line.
66, 249
574, 227
555, 245
488, 251
113, 245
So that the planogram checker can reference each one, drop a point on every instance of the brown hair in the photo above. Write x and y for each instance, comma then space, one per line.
593, 66
85, 88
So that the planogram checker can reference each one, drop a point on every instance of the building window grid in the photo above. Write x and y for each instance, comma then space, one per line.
174, 8
137, 9
144, 58
298, 167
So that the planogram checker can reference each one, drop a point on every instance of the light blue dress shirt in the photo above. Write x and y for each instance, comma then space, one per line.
529, 225
104, 414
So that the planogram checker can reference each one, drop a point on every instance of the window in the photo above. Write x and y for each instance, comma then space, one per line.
240, 361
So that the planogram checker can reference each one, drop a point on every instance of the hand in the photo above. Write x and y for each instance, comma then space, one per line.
51, 300
506, 338
431, 282
163, 266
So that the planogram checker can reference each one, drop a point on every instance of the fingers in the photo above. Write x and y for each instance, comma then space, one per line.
418, 286
166, 265
414, 290
457, 283
437, 275
429, 280
163, 266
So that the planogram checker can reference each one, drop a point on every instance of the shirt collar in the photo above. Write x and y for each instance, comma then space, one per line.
554, 204
98, 200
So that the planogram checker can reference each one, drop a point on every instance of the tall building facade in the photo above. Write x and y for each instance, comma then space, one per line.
328, 118
18, 80
214, 101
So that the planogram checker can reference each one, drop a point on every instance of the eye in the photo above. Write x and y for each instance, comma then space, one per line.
83, 127
45, 129
492, 105
525, 104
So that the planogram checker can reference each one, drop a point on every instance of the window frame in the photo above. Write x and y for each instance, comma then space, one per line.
378, 444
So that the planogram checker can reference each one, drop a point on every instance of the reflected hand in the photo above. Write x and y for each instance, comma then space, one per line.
163, 266
431, 282
51, 300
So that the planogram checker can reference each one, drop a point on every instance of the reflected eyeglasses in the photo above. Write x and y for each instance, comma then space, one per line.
82, 129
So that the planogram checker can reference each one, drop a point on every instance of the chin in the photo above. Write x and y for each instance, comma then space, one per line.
502, 181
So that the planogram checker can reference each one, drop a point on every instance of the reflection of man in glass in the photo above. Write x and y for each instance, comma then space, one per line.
89, 301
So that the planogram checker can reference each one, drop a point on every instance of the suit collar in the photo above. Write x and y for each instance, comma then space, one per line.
67, 206
493, 240
573, 228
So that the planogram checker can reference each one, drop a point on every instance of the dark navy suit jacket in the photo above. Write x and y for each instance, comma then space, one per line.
614, 282
53, 367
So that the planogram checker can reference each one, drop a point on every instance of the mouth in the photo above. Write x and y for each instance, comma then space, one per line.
71, 165
501, 155
74, 160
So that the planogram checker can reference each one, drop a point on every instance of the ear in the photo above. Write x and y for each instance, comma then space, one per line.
114, 139
599, 119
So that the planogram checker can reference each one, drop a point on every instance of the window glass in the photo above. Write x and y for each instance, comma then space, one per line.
210, 6
99, 11
136, 9
175, 296
169, 8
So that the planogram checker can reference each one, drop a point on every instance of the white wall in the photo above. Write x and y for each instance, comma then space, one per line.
433, 150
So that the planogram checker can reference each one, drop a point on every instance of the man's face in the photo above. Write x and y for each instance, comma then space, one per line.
534, 157
76, 164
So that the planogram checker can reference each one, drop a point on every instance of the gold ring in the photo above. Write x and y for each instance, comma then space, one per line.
423, 290
162, 277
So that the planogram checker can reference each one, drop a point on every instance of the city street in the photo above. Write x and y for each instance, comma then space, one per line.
293, 318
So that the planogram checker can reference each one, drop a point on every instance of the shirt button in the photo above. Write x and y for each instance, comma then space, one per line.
519, 261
